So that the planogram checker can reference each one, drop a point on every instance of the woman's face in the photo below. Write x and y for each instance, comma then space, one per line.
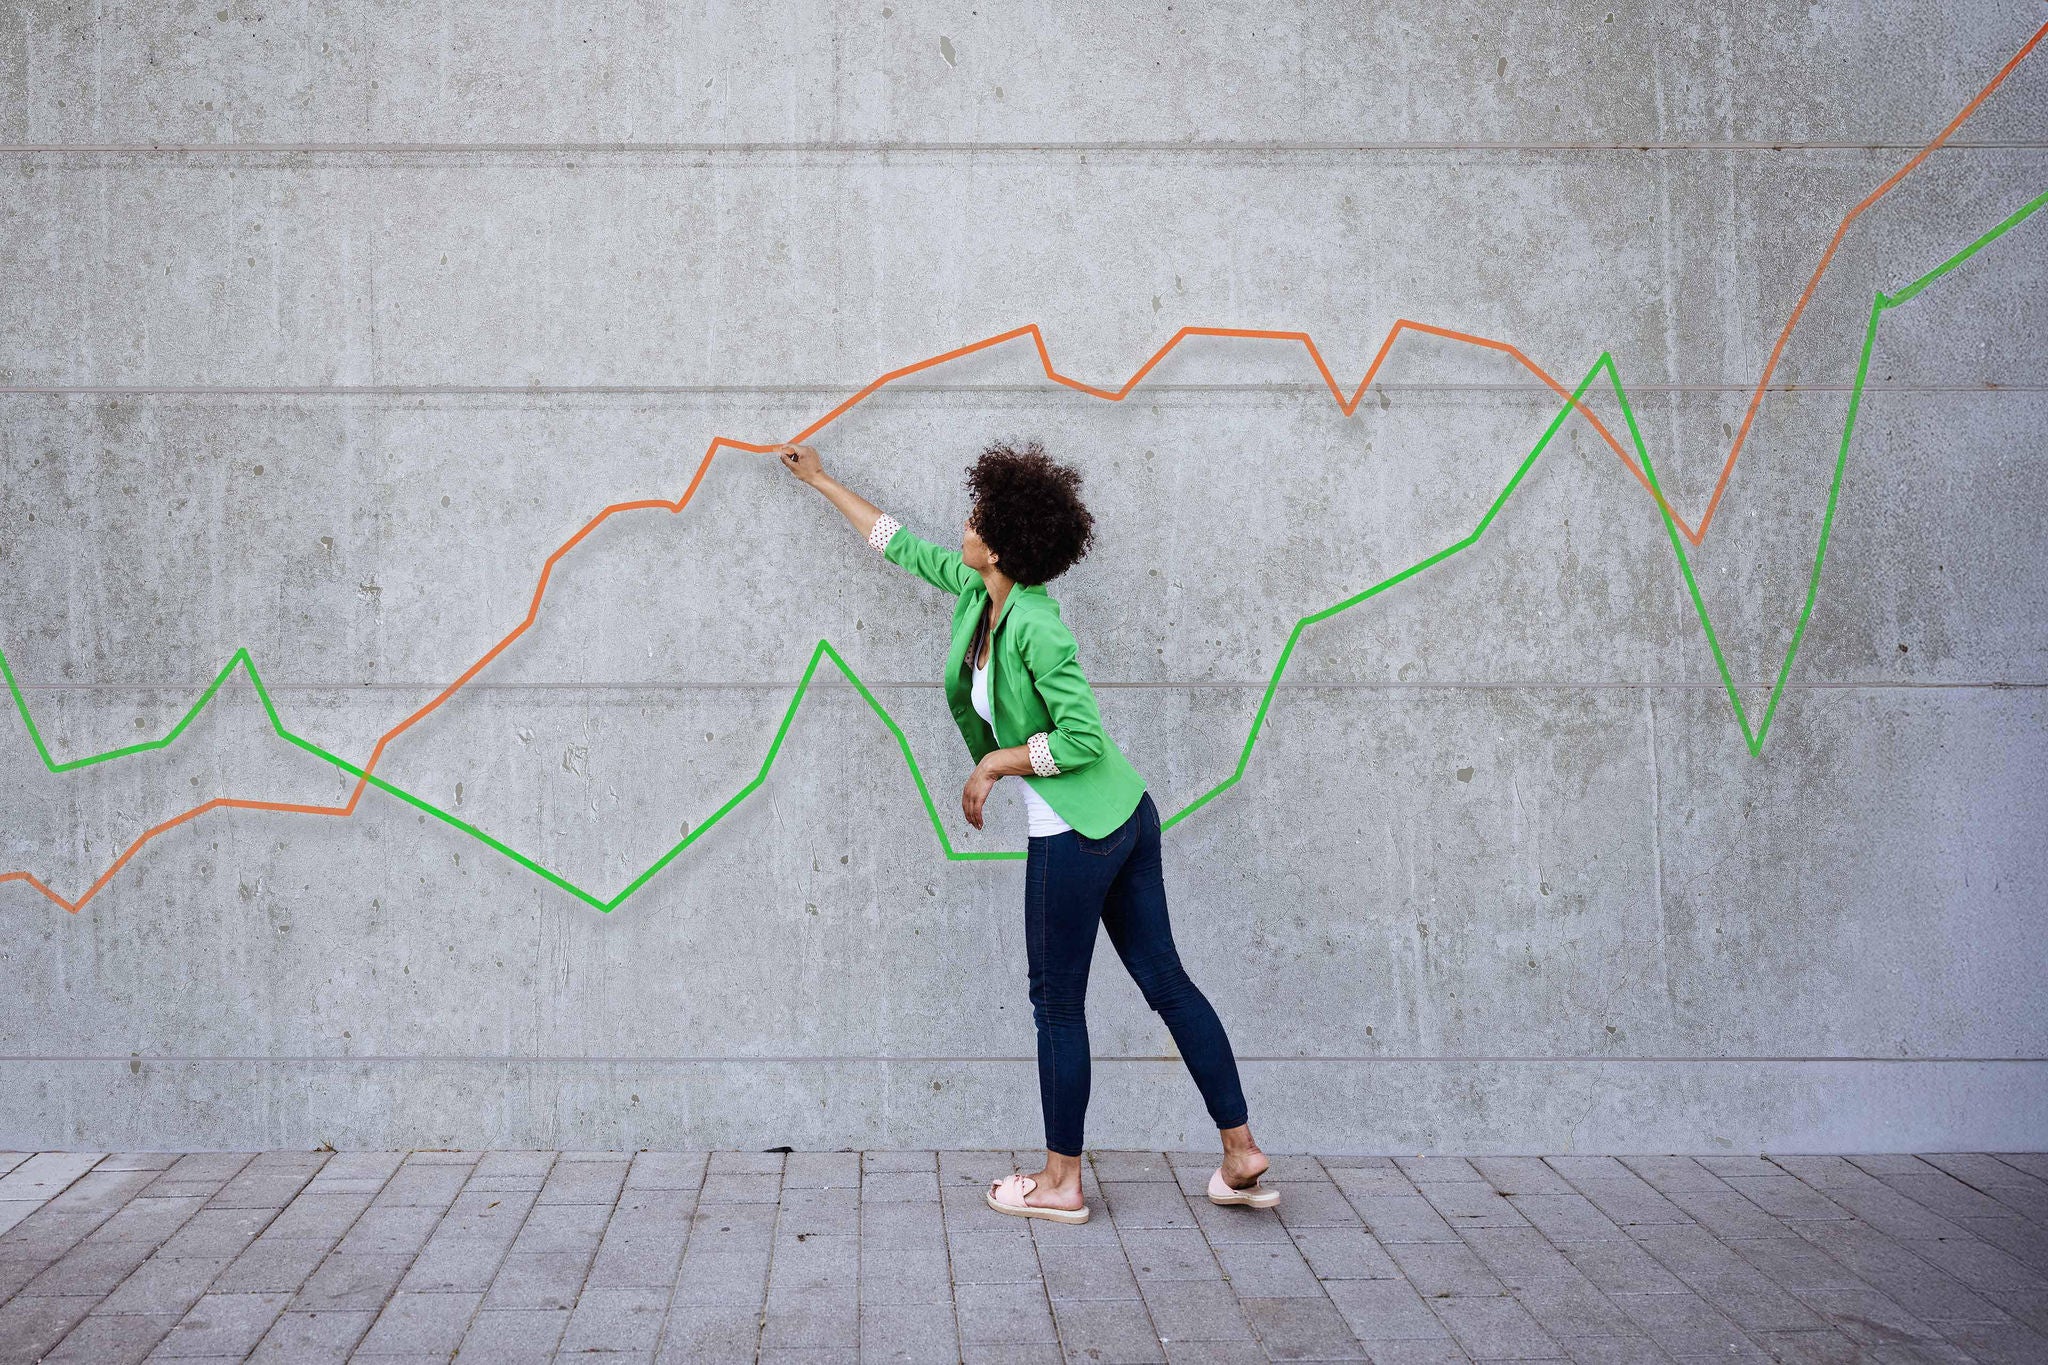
973, 549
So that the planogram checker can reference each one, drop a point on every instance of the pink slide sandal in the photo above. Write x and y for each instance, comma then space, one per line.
1007, 1196
1256, 1197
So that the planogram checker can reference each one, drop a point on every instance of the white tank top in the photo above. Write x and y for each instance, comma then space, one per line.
1044, 819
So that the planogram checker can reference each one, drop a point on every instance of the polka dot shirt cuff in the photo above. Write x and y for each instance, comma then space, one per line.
884, 527
1041, 756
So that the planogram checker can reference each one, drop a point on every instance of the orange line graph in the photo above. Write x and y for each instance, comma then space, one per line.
1347, 405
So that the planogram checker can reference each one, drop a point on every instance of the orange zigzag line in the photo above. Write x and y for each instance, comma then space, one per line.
1348, 406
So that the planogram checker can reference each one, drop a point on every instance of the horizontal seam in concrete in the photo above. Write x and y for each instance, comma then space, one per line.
830, 685
977, 148
697, 390
128, 1059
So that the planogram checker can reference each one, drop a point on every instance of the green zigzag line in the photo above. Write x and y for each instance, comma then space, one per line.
1753, 735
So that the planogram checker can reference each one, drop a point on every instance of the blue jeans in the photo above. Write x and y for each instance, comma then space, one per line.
1070, 882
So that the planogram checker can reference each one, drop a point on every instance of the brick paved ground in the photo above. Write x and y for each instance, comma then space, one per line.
828, 1256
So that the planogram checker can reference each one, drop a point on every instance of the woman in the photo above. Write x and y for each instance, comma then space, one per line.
1093, 834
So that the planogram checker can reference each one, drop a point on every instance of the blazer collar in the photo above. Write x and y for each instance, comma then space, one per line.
1010, 600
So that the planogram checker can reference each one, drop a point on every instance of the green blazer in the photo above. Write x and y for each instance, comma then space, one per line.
1036, 690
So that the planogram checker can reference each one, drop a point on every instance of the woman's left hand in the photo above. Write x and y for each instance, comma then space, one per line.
976, 792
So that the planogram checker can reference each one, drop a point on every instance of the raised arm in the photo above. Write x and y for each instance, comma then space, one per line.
935, 564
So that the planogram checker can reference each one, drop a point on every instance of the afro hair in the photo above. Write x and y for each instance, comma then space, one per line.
1028, 510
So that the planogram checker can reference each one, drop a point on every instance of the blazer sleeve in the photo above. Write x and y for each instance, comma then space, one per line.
1076, 739
935, 564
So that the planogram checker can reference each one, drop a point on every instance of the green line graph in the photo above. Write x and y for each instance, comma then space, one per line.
1754, 734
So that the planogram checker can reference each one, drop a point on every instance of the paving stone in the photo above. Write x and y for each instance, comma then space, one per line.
835, 1210
1627, 1200
1422, 1170
1373, 1182
456, 1265
498, 1334
1265, 1270
1086, 1272
1685, 1324
355, 1172
432, 1186
1636, 1350
1496, 1328
274, 1265
1151, 1166
1726, 1213
741, 1188
305, 1338
584, 1182
1688, 1250
1978, 1264
1669, 1173
1310, 1204
118, 1161
807, 1170
314, 1214
1867, 1315
1439, 1269
46, 1174
89, 1268
1521, 1175
1472, 1204
1222, 1223
1754, 1303
1302, 1329
385, 1230
722, 1277
1383, 1310
558, 1228
911, 1333
888, 1186
164, 1286
217, 1232
612, 1255
493, 1216
1574, 1307
697, 1332
1520, 1255
1214, 1353
1997, 1343
1195, 1310
101, 1192
1794, 1264
811, 1322
112, 1339
1893, 1213
31, 1324
820, 1264
993, 1258
1402, 1218
529, 1163
1147, 1204
422, 1323
1170, 1254
344, 1283
1006, 1313
223, 1325
538, 1279
638, 1261
616, 1320
1106, 1331
2023, 1239
1786, 1197
744, 1163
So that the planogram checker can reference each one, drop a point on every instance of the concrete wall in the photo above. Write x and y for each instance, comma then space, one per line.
324, 330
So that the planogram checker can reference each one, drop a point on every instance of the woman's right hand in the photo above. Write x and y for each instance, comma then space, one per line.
802, 461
